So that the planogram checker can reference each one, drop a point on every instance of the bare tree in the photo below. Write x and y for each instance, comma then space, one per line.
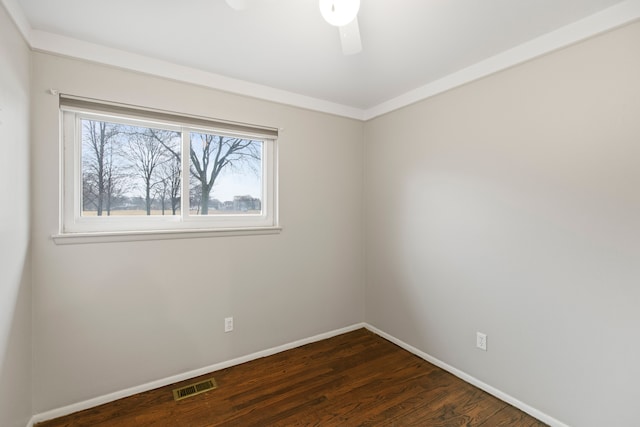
168, 188
195, 195
210, 154
172, 182
114, 176
89, 190
147, 152
100, 173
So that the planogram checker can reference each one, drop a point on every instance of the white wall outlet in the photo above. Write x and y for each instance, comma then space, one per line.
481, 341
228, 324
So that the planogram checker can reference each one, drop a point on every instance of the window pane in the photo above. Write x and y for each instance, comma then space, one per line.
225, 175
129, 170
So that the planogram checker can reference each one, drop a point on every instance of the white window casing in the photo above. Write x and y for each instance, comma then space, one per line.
78, 228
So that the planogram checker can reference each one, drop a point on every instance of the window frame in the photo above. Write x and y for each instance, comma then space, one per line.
73, 223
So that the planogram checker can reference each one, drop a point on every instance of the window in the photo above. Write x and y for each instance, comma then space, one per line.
128, 170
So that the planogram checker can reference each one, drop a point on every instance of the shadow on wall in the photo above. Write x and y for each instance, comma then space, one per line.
15, 347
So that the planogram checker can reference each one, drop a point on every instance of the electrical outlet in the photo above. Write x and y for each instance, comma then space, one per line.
481, 341
228, 324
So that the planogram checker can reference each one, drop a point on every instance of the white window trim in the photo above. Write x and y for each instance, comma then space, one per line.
74, 228
133, 236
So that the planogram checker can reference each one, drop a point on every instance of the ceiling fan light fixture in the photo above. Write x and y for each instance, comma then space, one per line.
339, 12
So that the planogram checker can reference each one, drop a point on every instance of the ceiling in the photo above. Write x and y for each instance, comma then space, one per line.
286, 45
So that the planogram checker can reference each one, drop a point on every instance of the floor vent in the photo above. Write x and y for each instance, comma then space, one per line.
193, 389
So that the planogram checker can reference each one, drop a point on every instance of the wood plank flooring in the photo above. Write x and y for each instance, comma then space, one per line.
355, 379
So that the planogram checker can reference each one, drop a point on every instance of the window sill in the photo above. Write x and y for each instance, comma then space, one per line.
132, 236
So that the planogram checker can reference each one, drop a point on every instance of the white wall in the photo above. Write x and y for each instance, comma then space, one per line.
15, 281
508, 206
511, 206
116, 315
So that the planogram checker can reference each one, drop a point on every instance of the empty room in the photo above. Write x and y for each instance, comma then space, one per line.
319, 212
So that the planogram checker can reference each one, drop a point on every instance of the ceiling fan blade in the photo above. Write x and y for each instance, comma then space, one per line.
350, 38
237, 4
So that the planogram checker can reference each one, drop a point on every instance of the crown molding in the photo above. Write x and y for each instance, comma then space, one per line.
19, 18
606, 20
42, 41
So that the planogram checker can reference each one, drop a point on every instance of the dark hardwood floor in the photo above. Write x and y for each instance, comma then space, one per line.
355, 379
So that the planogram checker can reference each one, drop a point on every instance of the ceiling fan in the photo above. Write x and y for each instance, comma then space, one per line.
339, 13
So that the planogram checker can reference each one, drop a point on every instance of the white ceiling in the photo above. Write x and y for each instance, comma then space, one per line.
286, 45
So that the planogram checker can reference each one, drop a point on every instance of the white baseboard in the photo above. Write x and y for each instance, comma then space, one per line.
90, 403
471, 380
